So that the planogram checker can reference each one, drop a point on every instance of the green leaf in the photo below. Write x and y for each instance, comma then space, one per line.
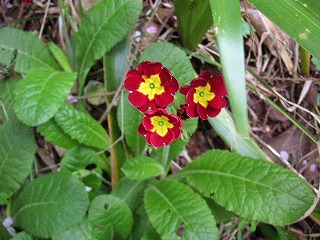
82, 127
102, 27
32, 53
219, 212
172, 205
46, 201
142, 167
60, 57
41, 94
143, 228
22, 236
79, 158
7, 88
131, 192
54, 134
228, 29
316, 63
129, 118
194, 20
173, 58
77, 232
303, 15
17, 149
254, 189
110, 215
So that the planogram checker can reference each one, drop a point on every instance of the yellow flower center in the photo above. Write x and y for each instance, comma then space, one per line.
151, 86
161, 125
203, 95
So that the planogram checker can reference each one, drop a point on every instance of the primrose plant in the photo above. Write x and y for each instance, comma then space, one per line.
111, 178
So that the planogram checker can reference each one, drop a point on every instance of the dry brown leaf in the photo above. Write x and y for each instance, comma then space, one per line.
273, 37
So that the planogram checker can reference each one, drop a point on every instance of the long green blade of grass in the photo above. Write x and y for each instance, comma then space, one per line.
228, 28
298, 18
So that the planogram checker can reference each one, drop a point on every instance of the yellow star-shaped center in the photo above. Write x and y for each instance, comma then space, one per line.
161, 125
203, 95
151, 86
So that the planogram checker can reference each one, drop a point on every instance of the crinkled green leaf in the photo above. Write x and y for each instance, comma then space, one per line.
54, 134
173, 58
82, 231
17, 149
194, 20
82, 127
304, 15
82, 161
102, 27
32, 53
41, 94
142, 167
172, 205
254, 189
7, 88
130, 191
219, 212
60, 56
129, 118
143, 228
79, 157
110, 217
50, 204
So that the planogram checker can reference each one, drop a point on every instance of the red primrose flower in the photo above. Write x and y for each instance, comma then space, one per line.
205, 95
160, 128
151, 86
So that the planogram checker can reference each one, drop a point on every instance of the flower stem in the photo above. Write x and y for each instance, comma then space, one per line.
164, 160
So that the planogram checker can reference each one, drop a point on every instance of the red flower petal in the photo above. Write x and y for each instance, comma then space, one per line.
205, 74
152, 68
184, 89
143, 66
192, 111
202, 111
165, 76
158, 141
137, 99
218, 102
189, 97
164, 100
198, 82
218, 86
176, 133
213, 112
142, 130
146, 121
133, 80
